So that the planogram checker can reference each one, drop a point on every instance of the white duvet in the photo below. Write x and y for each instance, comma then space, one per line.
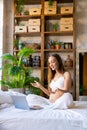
44, 119
70, 119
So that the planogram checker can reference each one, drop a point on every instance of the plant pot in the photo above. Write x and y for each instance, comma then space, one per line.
57, 47
52, 47
20, 90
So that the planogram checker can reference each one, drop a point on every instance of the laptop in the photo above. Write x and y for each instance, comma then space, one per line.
20, 102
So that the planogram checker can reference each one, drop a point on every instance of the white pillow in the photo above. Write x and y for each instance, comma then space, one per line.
5, 98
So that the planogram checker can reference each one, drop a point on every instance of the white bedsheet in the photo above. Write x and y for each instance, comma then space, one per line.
44, 119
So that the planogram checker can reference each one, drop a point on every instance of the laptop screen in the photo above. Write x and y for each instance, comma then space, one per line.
20, 102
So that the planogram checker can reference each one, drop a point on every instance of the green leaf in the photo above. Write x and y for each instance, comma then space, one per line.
8, 57
25, 52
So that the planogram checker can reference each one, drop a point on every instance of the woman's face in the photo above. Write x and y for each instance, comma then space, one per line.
53, 63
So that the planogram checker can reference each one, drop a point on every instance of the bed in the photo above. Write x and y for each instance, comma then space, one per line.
12, 118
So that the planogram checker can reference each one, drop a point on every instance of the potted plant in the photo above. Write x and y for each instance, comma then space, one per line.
26, 12
51, 2
15, 74
20, 6
58, 45
52, 44
55, 26
62, 45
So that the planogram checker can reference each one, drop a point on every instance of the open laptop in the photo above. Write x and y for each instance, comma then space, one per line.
20, 102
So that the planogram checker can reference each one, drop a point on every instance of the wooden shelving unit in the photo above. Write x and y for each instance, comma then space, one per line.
46, 34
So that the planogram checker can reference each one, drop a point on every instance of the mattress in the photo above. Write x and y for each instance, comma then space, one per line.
70, 119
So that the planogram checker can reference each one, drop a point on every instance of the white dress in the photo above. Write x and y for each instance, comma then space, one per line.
64, 102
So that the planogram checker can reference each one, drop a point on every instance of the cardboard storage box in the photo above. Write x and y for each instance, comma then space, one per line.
20, 28
50, 9
35, 11
33, 28
67, 10
66, 27
34, 22
66, 21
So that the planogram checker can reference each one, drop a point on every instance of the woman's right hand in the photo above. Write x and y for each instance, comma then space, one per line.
36, 84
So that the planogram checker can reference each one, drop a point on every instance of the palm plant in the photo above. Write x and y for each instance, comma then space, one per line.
14, 70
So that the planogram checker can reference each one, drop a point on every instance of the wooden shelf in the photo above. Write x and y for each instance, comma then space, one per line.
26, 17
57, 16
45, 35
53, 33
25, 34
60, 50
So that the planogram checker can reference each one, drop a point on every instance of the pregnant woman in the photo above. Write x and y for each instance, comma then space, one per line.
59, 84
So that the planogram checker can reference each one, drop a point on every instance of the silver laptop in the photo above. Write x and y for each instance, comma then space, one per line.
20, 102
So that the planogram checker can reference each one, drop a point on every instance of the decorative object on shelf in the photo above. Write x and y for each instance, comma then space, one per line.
29, 61
15, 74
36, 61
20, 6
68, 62
68, 45
33, 45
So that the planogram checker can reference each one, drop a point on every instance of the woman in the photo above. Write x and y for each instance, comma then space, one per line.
59, 84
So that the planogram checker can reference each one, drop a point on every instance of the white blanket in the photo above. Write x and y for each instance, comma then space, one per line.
64, 102
44, 119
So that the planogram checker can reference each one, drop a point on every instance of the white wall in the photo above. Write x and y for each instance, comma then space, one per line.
81, 36
81, 24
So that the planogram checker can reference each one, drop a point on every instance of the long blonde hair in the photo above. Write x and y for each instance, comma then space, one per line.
51, 72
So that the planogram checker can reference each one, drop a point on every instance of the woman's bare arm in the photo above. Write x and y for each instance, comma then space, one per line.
38, 85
